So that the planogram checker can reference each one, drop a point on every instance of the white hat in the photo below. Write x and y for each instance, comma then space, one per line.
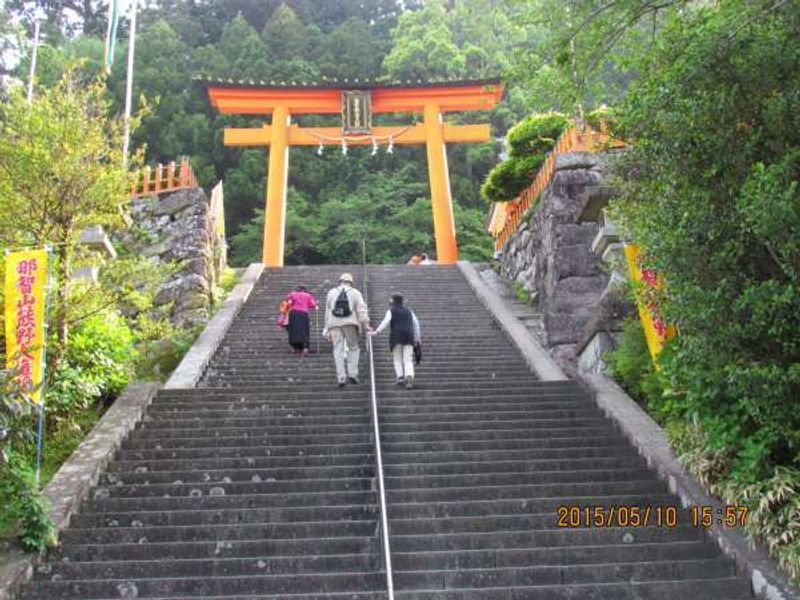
346, 277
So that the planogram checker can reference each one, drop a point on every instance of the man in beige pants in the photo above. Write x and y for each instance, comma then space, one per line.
345, 316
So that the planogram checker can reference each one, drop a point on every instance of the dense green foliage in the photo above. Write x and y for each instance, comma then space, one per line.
529, 142
710, 190
631, 365
23, 504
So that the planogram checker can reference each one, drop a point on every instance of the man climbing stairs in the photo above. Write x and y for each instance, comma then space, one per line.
260, 484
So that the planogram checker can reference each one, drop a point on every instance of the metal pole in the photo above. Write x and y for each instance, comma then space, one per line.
364, 258
387, 555
129, 85
40, 426
37, 17
39, 429
316, 327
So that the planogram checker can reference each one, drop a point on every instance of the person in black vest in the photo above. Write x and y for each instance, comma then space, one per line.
404, 332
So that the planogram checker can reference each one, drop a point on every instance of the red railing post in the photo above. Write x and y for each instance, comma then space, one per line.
171, 174
146, 180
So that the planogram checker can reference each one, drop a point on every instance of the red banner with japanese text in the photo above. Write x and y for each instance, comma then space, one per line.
25, 298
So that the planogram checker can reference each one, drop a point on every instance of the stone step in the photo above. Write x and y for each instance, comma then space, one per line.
427, 389
538, 505
490, 479
236, 475
504, 435
541, 538
569, 555
200, 587
232, 502
399, 412
222, 567
254, 417
728, 588
142, 534
293, 441
321, 596
697, 569
530, 454
213, 409
530, 422
254, 450
220, 549
518, 467
536, 388
277, 380
255, 427
523, 491
255, 462
483, 359
248, 427
217, 517
349, 393
236, 488
605, 439
401, 416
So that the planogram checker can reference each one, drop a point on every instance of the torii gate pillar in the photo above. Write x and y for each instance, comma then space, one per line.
444, 226
282, 101
277, 176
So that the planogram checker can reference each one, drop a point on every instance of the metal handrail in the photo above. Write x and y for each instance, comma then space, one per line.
387, 556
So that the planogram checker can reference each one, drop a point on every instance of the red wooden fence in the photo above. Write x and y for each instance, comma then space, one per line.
164, 178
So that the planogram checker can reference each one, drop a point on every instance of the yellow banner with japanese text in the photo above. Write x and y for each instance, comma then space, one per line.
25, 299
648, 283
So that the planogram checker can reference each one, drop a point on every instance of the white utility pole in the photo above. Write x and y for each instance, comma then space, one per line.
129, 85
38, 16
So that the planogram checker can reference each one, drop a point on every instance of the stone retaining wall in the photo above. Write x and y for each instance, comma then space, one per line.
551, 255
185, 227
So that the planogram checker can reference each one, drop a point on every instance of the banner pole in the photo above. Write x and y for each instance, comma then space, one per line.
40, 427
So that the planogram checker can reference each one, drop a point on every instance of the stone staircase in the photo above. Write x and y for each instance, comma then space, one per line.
265, 490
480, 456
260, 484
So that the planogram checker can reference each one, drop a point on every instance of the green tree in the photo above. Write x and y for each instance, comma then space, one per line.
60, 172
584, 53
351, 50
424, 48
710, 192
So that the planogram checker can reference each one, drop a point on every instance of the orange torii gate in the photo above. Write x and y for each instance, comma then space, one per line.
356, 102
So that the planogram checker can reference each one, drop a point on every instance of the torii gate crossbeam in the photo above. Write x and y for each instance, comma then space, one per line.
281, 101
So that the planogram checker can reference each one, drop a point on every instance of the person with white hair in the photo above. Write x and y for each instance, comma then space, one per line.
346, 315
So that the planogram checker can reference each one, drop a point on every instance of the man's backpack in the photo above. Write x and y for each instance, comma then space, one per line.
342, 306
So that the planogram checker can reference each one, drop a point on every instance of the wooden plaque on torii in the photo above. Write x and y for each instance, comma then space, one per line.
432, 100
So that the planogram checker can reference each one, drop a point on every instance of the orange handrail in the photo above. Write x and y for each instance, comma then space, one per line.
572, 140
164, 178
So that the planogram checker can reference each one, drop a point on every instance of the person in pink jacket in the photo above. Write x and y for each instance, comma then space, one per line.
299, 328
